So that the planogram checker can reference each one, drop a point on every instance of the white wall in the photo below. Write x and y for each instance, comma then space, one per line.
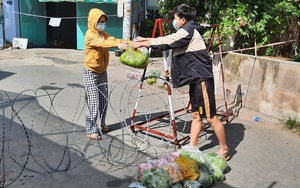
11, 19
1, 36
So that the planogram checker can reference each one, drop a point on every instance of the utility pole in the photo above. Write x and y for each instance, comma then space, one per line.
3, 25
127, 20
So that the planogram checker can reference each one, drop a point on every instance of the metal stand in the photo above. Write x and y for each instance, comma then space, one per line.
173, 136
225, 115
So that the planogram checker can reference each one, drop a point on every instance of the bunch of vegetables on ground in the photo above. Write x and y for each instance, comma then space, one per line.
152, 76
186, 168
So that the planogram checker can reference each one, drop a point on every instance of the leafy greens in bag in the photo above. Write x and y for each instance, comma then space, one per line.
155, 178
217, 160
135, 58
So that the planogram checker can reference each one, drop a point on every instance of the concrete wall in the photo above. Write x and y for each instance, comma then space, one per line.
270, 86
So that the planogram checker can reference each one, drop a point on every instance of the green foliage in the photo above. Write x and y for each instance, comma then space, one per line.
146, 28
269, 50
295, 52
297, 57
259, 21
291, 123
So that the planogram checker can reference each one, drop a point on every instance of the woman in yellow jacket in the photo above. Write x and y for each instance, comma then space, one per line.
96, 45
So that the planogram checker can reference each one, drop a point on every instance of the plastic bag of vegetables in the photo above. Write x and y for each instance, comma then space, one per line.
176, 185
205, 178
136, 185
155, 178
192, 152
137, 58
190, 184
217, 175
217, 160
188, 168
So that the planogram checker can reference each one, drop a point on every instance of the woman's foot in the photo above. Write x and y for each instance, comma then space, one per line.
94, 136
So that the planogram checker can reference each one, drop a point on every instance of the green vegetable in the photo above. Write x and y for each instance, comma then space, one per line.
136, 185
190, 184
154, 73
151, 81
205, 178
156, 177
135, 58
152, 76
176, 185
200, 159
218, 175
217, 160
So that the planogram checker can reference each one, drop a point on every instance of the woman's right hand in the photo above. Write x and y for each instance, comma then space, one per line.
123, 46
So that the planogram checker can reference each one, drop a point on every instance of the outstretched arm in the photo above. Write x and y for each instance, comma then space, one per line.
136, 45
141, 42
142, 39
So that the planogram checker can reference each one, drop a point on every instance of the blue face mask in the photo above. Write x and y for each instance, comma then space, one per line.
175, 25
101, 26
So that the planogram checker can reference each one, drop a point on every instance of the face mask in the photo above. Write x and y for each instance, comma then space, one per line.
175, 25
101, 26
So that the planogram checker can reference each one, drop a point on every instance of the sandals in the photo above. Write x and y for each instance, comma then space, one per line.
94, 136
226, 156
104, 128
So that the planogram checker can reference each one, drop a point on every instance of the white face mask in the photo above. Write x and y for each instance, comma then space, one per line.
101, 26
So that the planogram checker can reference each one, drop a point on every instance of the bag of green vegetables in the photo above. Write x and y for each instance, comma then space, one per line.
137, 58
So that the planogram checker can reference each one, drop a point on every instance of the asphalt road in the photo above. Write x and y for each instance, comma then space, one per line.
43, 139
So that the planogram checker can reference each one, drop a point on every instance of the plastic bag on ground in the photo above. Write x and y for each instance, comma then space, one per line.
164, 162
188, 167
190, 184
145, 166
217, 175
192, 152
205, 178
136, 185
155, 178
217, 160
176, 185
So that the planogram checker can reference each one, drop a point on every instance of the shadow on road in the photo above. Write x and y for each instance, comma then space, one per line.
41, 149
234, 136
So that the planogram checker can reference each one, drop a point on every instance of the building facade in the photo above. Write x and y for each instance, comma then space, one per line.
31, 19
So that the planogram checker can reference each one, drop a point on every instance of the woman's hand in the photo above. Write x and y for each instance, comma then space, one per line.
122, 46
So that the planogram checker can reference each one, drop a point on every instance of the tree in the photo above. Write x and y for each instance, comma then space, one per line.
247, 23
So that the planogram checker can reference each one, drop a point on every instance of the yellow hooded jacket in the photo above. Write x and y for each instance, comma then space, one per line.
96, 44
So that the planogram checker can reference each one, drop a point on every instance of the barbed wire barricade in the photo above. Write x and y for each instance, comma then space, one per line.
43, 130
